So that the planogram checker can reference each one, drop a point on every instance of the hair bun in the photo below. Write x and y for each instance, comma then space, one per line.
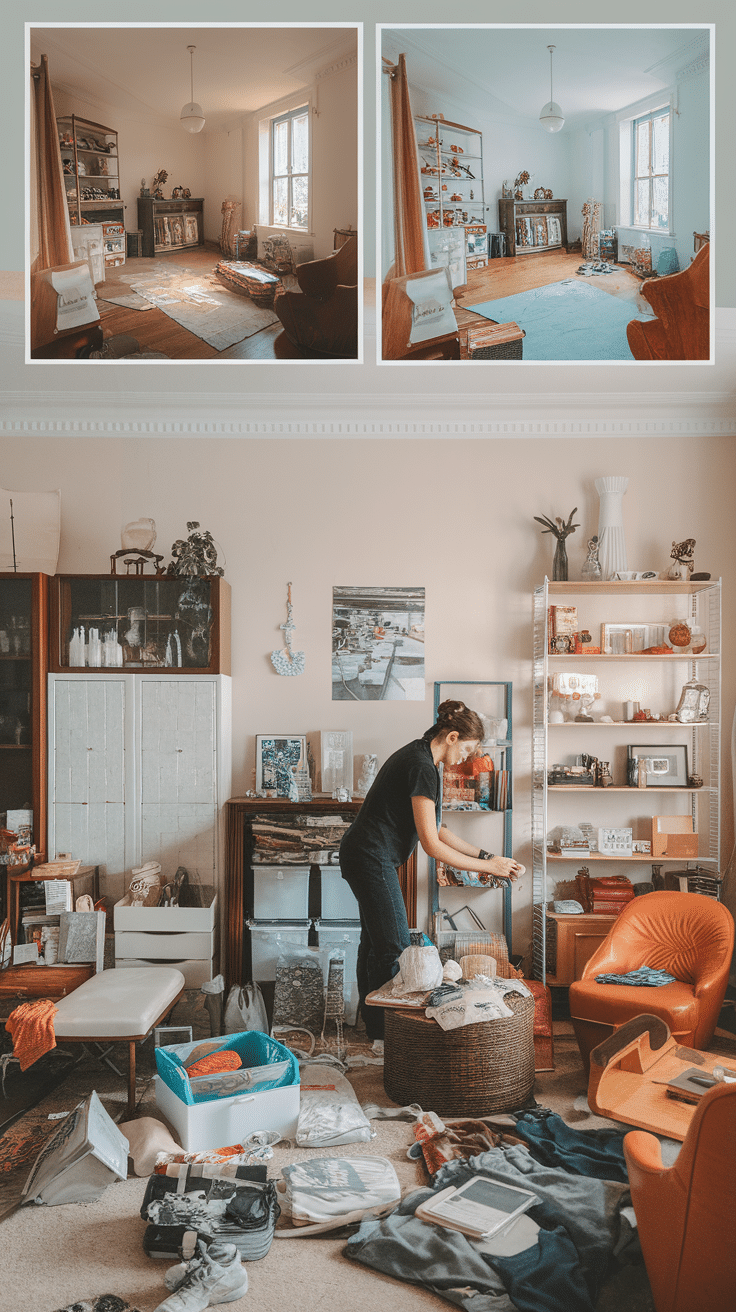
449, 710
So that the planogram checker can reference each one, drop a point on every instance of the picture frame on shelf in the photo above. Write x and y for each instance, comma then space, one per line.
277, 757
615, 842
674, 755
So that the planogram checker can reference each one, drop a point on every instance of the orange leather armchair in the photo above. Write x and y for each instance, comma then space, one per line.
686, 934
686, 1215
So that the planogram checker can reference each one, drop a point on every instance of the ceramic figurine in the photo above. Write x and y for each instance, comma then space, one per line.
683, 554
591, 570
561, 531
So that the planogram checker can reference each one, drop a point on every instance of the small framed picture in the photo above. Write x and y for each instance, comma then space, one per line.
278, 756
615, 842
666, 764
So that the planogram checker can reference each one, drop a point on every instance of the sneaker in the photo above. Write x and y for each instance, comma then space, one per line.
215, 1276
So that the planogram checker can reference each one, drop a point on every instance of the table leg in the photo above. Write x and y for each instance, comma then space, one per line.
131, 1078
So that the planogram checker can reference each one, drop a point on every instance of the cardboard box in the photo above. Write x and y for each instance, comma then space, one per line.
228, 1120
672, 835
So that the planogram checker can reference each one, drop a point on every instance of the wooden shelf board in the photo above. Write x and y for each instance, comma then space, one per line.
636, 856
629, 587
621, 788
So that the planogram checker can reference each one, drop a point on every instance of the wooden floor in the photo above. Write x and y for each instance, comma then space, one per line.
155, 331
521, 273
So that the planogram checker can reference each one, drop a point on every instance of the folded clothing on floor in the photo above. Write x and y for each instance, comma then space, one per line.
181, 1211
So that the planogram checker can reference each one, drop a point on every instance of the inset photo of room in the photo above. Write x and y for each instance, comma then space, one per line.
193, 192
546, 193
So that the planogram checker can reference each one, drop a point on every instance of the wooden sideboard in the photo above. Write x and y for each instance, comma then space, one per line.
240, 814
510, 211
170, 225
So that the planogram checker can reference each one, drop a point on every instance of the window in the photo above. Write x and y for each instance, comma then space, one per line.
651, 169
290, 169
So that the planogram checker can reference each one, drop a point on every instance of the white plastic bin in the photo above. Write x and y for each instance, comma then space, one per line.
268, 939
229, 1120
280, 892
345, 935
338, 899
88, 245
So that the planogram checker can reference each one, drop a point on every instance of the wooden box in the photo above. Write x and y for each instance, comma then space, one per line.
571, 942
493, 341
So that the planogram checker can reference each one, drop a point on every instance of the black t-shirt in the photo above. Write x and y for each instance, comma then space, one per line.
384, 827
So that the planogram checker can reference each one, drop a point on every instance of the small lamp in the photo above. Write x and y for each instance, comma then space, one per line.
191, 117
551, 116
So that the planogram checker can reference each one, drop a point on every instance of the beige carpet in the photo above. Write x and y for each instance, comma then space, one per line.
54, 1256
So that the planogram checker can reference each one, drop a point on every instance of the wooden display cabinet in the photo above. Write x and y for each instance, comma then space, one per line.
23, 669
140, 623
510, 211
89, 155
169, 225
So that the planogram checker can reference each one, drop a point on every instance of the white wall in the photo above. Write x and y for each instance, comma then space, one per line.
455, 515
223, 172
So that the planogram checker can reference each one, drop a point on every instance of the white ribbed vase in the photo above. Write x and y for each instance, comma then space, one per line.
611, 540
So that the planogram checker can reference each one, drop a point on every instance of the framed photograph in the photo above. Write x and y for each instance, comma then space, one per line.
625, 639
666, 764
277, 757
615, 842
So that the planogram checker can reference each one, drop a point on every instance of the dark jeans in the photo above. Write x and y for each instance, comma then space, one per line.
384, 930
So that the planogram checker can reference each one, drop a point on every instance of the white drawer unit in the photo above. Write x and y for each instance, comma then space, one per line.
185, 937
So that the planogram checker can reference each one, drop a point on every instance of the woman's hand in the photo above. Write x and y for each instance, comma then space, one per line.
505, 867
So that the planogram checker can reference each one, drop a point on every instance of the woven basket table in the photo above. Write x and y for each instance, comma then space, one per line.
471, 1071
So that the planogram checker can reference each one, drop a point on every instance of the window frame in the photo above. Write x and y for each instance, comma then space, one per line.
301, 110
661, 111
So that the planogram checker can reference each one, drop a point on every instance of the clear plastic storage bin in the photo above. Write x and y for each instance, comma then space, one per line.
338, 900
280, 892
269, 939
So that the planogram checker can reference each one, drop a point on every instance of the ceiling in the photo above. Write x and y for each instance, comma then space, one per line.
143, 72
597, 70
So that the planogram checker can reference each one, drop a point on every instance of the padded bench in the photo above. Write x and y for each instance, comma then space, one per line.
121, 1005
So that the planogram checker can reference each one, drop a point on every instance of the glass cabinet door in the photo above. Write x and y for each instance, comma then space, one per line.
23, 662
138, 623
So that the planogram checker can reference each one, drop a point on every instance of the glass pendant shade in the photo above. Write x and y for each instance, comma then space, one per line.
551, 117
192, 118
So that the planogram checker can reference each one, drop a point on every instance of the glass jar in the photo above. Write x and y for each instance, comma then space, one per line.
693, 704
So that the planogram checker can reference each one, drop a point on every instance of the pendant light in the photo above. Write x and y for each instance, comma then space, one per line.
551, 116
191, 117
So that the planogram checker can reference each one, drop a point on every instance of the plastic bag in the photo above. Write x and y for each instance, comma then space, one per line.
329, 1112
245, 1010
331, 1187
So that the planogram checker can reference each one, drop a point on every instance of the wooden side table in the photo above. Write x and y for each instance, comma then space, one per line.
86, 880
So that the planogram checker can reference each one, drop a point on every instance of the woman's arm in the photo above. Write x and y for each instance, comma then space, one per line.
444, 846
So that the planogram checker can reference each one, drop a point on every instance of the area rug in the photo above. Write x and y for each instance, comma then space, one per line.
22, 1090
199, 303
566, 320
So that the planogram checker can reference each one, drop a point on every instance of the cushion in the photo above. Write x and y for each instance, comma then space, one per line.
119, 1003
612, 1004
147, 1137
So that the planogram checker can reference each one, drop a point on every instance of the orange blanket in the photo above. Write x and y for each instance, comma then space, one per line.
31, 1027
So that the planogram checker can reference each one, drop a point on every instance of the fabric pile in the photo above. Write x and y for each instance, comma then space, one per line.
580, 1180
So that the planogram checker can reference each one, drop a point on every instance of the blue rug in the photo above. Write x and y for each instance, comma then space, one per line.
566, 321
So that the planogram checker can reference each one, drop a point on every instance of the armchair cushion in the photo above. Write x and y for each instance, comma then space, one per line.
609, 1004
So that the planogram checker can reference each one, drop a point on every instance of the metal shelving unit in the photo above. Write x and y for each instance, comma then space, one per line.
435, 137
498, 703
699, 603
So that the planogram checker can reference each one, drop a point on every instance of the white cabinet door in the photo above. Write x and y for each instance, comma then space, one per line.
178, 754
87, 764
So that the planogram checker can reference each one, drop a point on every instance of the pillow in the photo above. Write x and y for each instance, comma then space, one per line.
146, 1137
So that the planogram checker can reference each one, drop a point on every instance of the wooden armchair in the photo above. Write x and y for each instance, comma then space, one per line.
682, 303
323, 315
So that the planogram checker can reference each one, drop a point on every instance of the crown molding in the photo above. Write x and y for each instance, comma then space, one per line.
368, 415
337, 66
